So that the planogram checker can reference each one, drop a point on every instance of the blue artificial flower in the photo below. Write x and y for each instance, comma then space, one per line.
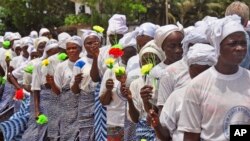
80, 64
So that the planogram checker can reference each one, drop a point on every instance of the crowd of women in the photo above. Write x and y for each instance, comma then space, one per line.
152, 83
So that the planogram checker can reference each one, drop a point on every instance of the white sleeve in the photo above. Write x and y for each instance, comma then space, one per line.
58, 77
36, 78
103, 83
166, 87
191, 116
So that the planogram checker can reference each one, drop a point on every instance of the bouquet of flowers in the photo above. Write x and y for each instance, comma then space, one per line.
98, 29
29, 69
62, 56
19, 95
116, 51
42, 119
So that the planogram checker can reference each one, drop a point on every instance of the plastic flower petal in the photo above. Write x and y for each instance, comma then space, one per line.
6, 44
117, 46
29, 69
62, 56
110, 62
98, 28
2, 80
42, 119
79, 64
45, 62
8, 55
116, 52
19, 95
146, 69
119, 71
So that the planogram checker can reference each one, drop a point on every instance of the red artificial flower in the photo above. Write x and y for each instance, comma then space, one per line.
116, 52
19, 95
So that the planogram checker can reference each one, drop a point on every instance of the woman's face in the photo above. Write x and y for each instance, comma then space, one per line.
172, 47
52, 51
233, 49
25, 51
18, 50
128, 53
73, 51
47, 34
142, 40
40, 48
150, 57
114, 39
91, 42
34, 55
196, 69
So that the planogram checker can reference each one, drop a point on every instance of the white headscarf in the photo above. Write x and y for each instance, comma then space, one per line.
15, 36
7, 36
33, 34
196, 35
26, 41
62, 38
40, 40
42, 31
151, 47
128, 40
201, 54
52, 43
17, 43
224, 27
147, 29
30, 50
76, 40
117, 25
162, 33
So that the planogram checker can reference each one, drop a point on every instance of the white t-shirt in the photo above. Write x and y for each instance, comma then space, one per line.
159, 70
170, 113
116, 108
63, 74
133, 69
135, 89
3, 57
17, 61
213, 101
27, 77
176, 77
103, 55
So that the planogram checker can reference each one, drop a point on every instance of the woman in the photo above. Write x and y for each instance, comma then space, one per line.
60, 85
40, 95
83, 84
199, 58
110, 96
222, 99
138, 106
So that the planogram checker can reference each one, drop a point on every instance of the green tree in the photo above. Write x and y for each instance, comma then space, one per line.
26, 15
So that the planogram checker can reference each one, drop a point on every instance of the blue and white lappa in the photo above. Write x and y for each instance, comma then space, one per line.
78, 66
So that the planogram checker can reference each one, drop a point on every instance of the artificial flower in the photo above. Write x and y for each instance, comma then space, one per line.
8, 55
146, 69
45, 62
110, 62
79, 64
2, 80
116, 51
119, 71
19, 95
29, 69
42, 119
6, 44
98, 29
62, 56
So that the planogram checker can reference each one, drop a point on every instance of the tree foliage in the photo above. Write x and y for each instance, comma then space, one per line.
25, 15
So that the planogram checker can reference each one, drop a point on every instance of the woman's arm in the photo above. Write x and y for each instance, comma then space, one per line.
36, 95
51, 82
106, 97
75, 87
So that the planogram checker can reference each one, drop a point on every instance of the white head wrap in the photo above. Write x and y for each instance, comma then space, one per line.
17, 43
26, 41
62, 38
117, 25
128, 40
196, 35
15, 36
151, 47
201, 54
1, 41
33, 34
147, 29
52, 43
7, 36
76, 40
86, 34
224, 27
162, 33
42, 31
30, 50
40, 40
